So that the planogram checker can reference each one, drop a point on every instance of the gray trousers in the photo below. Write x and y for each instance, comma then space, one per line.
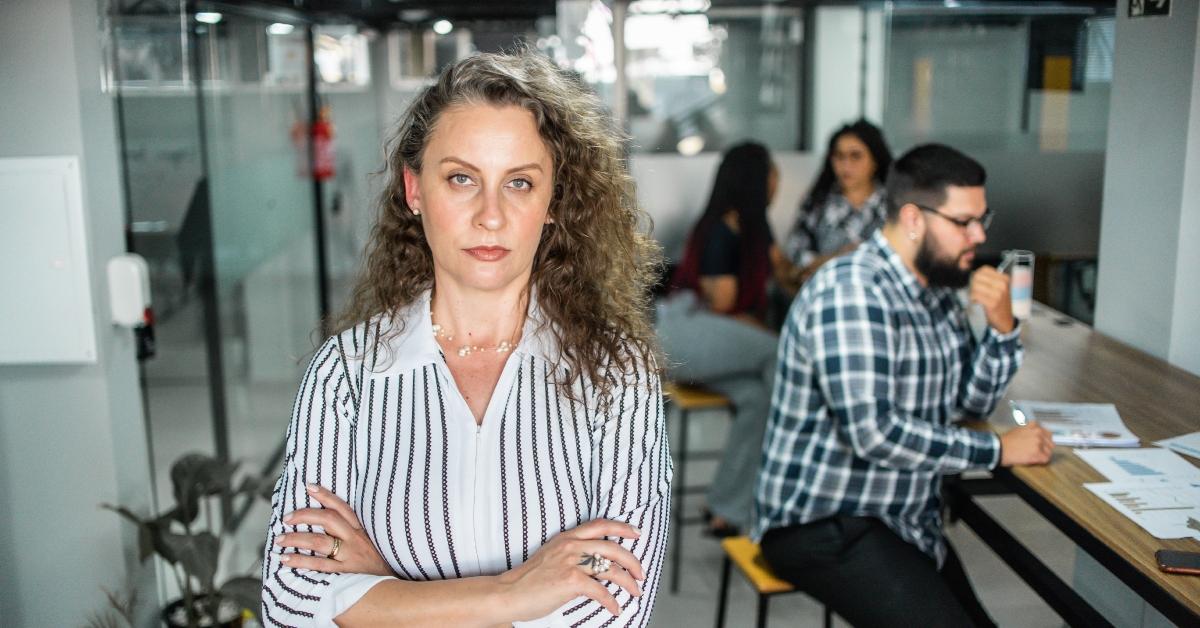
737, 360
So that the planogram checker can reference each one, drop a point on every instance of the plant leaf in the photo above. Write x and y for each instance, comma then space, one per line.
197, 553
145, 530
245, 591
197, 475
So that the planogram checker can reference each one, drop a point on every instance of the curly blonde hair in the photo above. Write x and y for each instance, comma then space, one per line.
595, 263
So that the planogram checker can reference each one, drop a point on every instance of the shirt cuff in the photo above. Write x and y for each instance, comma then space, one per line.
345, 590
993, 452
1013, 334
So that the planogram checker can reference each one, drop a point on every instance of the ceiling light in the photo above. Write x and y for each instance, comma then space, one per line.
690, 145
208, 17
279, 28
442, 27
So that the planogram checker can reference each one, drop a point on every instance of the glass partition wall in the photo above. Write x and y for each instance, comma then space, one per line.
217, 132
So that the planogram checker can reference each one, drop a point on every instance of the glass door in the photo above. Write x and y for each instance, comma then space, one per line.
215, 110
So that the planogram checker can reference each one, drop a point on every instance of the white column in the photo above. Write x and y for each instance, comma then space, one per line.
1150, 225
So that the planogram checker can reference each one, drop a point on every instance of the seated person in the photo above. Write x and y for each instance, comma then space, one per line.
875, 362
711, 325
846, 203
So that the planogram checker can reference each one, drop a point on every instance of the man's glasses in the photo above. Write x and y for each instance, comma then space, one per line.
983, 221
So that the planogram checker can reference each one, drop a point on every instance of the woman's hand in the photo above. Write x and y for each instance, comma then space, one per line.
556, 572
355, 551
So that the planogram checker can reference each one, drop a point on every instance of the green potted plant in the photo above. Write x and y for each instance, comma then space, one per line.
186, 543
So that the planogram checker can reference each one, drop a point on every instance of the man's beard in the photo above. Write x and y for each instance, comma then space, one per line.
937, 271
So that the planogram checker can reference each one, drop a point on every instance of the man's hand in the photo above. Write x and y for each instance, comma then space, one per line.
990, 289
1027, 444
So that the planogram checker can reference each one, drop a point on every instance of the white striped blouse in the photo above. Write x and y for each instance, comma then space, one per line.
442, 497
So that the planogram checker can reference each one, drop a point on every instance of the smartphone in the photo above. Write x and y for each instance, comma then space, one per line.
1174, 561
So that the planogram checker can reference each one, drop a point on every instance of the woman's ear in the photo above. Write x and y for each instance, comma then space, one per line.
412, 190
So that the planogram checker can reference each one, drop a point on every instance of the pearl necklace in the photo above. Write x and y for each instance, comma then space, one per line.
465, 350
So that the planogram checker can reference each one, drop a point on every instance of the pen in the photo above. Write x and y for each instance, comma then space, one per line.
1017, 414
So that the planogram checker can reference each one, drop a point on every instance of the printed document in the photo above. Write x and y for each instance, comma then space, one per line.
1139, 465
1188, 444
1167, 508
1081, 424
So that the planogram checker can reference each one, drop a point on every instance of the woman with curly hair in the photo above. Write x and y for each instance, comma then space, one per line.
484, 442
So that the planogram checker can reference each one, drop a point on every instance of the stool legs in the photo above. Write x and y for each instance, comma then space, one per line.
761, 621
680, 485
726, 567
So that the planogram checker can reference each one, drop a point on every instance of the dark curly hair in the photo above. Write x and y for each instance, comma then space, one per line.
595, 263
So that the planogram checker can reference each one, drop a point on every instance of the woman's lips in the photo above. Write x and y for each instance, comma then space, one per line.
488, 253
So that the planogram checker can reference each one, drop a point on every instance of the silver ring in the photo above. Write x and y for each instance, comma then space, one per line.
595, 563
337, 545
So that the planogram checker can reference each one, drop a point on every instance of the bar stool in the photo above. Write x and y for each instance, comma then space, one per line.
687, 398
747, 555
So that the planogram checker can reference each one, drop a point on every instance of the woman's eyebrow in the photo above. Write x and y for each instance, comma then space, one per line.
462, 162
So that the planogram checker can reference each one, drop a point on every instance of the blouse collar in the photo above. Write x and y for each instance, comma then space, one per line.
415, 346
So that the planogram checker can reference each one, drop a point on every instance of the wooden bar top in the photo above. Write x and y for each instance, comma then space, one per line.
1068, 361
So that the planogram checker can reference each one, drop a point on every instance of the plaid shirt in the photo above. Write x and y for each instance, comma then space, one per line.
873, 368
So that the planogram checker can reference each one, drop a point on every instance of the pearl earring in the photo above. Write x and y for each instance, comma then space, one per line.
416, 212
912, 235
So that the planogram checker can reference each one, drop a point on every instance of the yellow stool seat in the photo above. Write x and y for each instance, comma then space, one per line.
692, 397
747, 556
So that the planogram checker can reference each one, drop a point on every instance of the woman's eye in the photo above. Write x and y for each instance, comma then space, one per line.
521, 184
460, 179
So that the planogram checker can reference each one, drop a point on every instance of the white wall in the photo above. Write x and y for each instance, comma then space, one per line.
70, 436
837, 70
674, 190
1185, 326
1149, 226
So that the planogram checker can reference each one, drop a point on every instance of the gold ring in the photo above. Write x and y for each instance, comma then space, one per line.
337, 545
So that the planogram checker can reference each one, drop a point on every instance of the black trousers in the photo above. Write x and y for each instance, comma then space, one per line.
871, 577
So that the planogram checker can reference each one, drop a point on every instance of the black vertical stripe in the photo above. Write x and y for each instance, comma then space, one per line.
558, 492
387, 512
521, 474
408, 475
508, 556
562, 435
533, 441
425, 375
446, 525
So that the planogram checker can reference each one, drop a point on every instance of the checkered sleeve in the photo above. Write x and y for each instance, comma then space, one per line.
992, 366
859, 362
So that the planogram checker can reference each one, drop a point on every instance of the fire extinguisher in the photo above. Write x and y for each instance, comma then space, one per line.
324, 156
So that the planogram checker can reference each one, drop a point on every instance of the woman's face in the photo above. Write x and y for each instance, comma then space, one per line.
484, 195
852, 163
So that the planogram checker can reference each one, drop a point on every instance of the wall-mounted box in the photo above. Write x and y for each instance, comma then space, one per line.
45, 291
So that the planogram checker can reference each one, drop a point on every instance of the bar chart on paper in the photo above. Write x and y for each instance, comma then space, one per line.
1120, 465
1167, 509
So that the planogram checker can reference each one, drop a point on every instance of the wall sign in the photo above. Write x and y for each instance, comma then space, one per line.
1146, 8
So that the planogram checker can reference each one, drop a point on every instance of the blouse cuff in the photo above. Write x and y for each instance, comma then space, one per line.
344, 591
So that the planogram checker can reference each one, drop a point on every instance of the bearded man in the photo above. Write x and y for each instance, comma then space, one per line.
876, 363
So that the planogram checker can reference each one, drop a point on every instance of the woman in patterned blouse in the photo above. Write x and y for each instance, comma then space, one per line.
483, 443
847, 201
